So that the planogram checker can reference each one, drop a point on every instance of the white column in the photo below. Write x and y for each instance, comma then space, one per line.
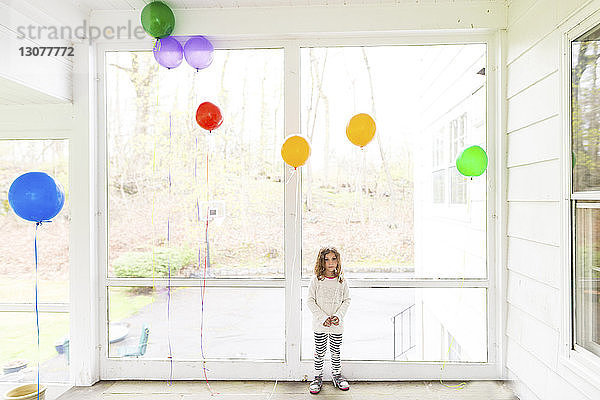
84, 344
293, 217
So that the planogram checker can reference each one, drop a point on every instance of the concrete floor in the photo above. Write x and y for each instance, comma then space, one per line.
249, 390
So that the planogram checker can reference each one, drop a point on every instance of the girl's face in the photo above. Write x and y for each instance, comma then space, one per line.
331, 263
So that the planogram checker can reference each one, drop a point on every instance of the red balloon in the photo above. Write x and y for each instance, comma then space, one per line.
209, 116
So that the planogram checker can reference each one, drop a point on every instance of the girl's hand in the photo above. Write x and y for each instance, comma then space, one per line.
335, 320
327, 322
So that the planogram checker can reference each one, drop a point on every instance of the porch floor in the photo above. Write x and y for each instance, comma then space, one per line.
248, 390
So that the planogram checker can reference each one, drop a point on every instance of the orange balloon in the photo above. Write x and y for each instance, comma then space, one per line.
360, 129
295, 150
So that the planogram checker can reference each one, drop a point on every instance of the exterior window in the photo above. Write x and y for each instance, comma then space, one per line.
439, 147
165, 174
439, 186
386, 207
585, 102
585, 198
185, 203
458, 189
587, 272
457, 136
439, 165
18, 337
453, 140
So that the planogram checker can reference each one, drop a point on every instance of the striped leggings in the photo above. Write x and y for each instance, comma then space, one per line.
335, 342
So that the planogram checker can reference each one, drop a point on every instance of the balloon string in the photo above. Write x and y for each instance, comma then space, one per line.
357, 209
297, 211
363, 179
153, 210
37, 313
157, 87
169, 263
462, 384
291, 176
206, 258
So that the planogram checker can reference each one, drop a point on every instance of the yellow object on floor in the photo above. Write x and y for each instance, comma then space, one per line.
26, 392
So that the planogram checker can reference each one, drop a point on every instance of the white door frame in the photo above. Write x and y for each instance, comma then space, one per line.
295, 368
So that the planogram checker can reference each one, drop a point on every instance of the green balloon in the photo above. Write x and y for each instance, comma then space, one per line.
472, 161
158, 20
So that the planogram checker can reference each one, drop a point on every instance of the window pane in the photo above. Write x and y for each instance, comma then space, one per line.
16, 236
458, 190
439, 186
587, 276
240, 323
410, 325
159, 191
18, 347
381, 206
584, 119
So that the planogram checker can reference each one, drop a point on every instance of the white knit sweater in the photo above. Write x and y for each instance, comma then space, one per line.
327, 298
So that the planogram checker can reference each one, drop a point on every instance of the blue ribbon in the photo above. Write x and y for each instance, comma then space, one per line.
37, 311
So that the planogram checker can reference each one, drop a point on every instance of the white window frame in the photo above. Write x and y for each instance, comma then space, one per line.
56, 116
453, 187
575, 363
293, 368
458, 134
439, 155
444, 172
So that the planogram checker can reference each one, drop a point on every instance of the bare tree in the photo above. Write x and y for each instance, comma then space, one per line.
143, 80
276, 171
586, 130
223, 99
378, 137
317, 77
326, 155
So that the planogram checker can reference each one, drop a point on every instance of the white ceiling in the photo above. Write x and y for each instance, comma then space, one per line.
183, 4
13, 93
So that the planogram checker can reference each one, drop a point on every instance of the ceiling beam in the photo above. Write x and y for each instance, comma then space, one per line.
290, 21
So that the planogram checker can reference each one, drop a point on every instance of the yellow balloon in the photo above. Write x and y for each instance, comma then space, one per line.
361, 129
295, 150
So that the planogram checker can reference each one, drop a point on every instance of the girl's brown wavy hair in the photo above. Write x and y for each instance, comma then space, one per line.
320, 264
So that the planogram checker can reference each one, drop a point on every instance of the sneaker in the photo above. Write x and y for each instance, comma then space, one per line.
340, 382
316, 385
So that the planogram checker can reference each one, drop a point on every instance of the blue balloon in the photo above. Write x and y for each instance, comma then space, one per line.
36, 196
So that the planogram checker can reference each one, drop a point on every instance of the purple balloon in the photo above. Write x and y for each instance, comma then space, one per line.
168, 52
198, 52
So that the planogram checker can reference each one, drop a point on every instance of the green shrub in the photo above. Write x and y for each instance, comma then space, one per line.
139, 265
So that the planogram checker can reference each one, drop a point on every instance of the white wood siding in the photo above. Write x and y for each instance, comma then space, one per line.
536, 143
534, 264
540, 381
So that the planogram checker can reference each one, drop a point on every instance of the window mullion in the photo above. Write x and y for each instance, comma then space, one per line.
292, 218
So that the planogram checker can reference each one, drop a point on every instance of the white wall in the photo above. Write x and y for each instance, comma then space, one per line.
534, 142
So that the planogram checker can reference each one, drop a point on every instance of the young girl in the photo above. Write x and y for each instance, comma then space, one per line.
328, 300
